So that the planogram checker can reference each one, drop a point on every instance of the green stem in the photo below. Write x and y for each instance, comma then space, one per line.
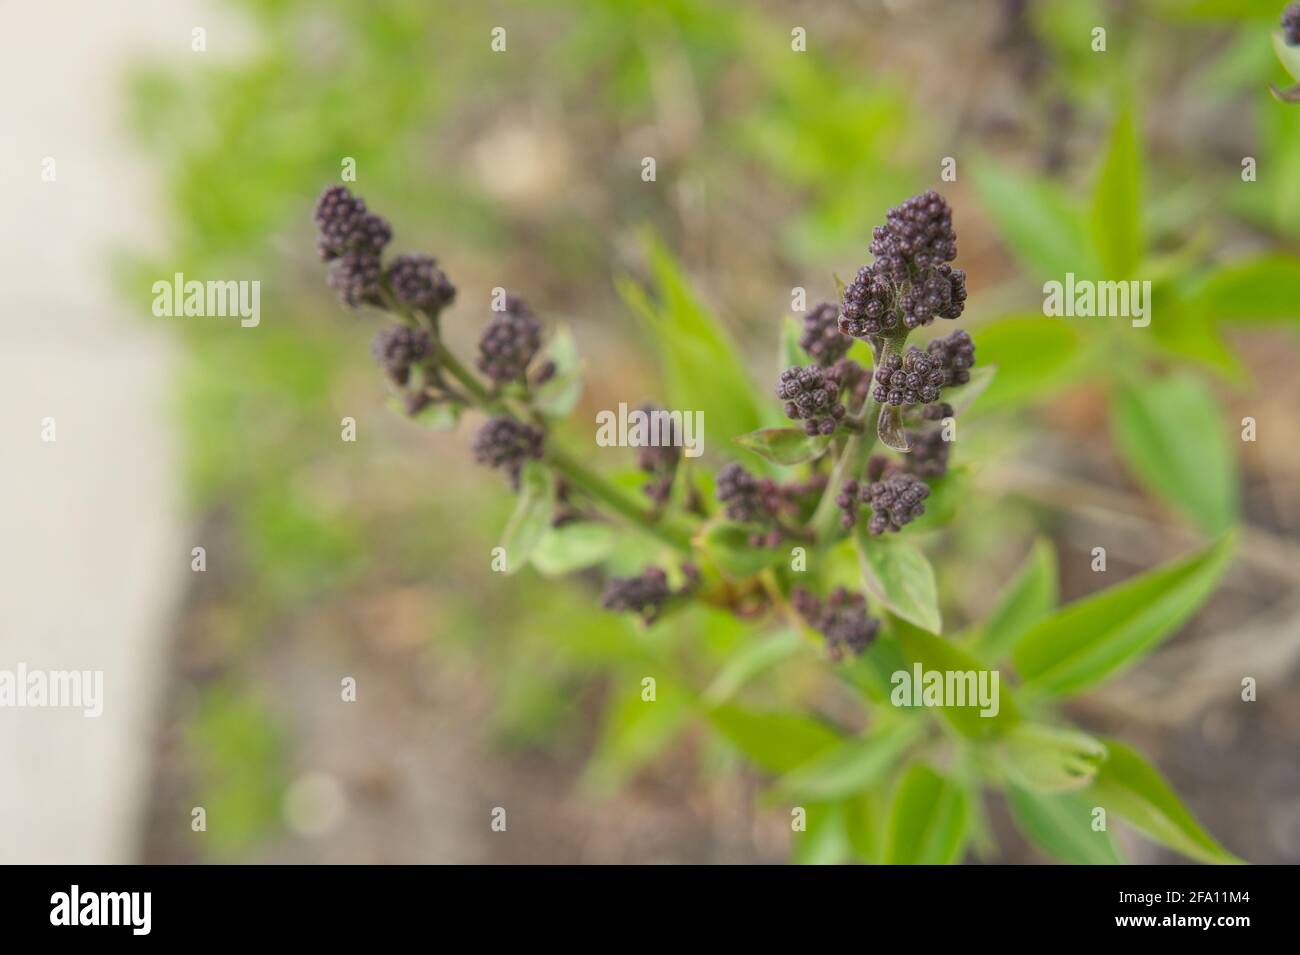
853, 461
442, 357
673, 534
596, 487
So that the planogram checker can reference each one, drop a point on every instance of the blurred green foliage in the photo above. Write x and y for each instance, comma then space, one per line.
241, 765
772, 167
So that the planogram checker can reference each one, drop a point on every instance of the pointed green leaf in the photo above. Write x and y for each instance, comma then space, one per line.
1130, 787
1039, 225
1171, 433
961, 397
1049, 760
864, 822
948, 494
1116, 201
791, 352
576, 546
897, 574
825, 838
1287, 54
927, 822
1060, 824
968, 716
871, 672
756, 657
776, 742
558, 395
532, 516
853, 765
1035, 355
727, 545
438, 416
1085, 642
784, 446
1193, 334
634, 732
1235, 11
702, 366
1263, 289
1030, 597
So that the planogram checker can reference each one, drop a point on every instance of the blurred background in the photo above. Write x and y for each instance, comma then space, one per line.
522, 169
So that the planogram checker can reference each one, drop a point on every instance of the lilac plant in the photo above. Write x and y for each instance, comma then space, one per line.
832, 397
833, 551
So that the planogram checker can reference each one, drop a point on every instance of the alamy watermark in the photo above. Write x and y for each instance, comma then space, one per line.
1084, 298
921, 687
651, 428
82, 689
74, 907
213, 299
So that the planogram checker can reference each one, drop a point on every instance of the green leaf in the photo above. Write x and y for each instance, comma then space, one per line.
576, 546
1116, 201
1091, 639
1171, 433
633, 732
825, 840
1288, 55
1039, 225
702, 365
1049, 760
1277, 205
1060, 825
784, 445
727, 544
896, 573
962, 397
775, 742
439, 416
1192, 333
872, 671
791, 352
948, 493
532, 516
1264, 289
935, 655
755, 657
1030, 597
927, 823
1237, 66
863, 823
967, 772
853, 765
558, 395
1130, 787
1235, 11
1035, 356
